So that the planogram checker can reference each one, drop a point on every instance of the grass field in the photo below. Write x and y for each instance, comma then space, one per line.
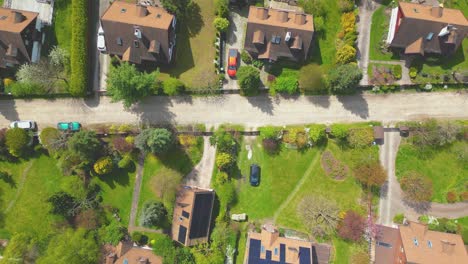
442, 167
195, 49
379, 30
61, 25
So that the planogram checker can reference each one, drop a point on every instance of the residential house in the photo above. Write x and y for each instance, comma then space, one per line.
138, 33
269, 247
420, 29
127, 253
414, 243
192, 215
17, 36
273, 34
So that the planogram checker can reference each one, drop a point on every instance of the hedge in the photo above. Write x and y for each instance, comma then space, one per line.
79, 49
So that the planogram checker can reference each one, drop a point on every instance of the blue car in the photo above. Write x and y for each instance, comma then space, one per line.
254, 175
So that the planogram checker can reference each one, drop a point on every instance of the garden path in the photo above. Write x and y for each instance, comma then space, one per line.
136, 193
20, 186
405, 78
299, 184
201, 174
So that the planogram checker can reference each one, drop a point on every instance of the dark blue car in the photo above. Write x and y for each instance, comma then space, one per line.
254, 175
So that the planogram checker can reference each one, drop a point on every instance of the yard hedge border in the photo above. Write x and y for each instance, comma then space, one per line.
79, 48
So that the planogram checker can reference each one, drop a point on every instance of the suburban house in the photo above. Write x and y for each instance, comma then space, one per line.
18, 35
273, 34
127, 253
414, 243
192, 215
424, 29
269, 247
138, 33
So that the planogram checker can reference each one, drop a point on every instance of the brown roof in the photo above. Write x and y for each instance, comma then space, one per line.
378, 132
387, 245
420, 29
192, 215
277, 25
269, 244
136, 27
16, 27
134, 255
424, 246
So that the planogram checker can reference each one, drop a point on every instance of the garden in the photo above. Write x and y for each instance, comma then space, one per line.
384, 74
432, 147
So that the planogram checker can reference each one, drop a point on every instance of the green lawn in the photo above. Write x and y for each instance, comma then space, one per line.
379, 31
61, 25
195, 49
442, 167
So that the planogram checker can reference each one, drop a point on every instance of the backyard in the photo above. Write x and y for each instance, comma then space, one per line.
195, 51
379, 29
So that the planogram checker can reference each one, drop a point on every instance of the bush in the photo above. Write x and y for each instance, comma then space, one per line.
413, 72
245, 57
319, 24
164, 247
125, 162
344, 78
317, 134
158, 140
345, 54
269, 132
301, 140
352, 226
84, 144
121, 145
316, 7
339, 131
416, 187
8, 81
112, 233
79, 51
271, 146
187, 140
464, 196
451, 197
257, 63
222, 8
249, 80
398, 219
397, 71
139, 238
21, 89
291, 135
221, 178
346, 5
103, 166
49, 137
224, 160
360, 137
286, 84
221, 24
311, 80
153, 214
17, 140
173, 86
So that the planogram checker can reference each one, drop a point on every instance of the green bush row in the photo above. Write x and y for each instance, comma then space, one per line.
79, 49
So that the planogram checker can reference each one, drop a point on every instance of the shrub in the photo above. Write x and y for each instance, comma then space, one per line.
316, 7
451, 197
352, 226
464, 196
311, 80
291, 135
345, 54
413, 72
348, 22
103, 166
344, 78
221, 24
249, 79
301, 140
339, 131
416, 187
317, 134
158, 140
187, 140
319, 24
222, 8
224, 141
245, 57
153, 214
257, 64
17, 139
121, 145
79, 44
398, 219
286, 84
21, 89
360, 137
125, 162
269, 132
164, 247
139, 238
49, 137
173, 86
112, 233
224, 160
8, 81
271, 146
346, 5
84, 144
221, 178
397, 71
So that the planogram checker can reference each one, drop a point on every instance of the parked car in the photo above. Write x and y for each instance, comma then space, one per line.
28, 125
254, 175
69, 126
101, 43
232, 62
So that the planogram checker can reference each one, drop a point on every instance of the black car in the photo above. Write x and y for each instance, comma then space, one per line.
254, 175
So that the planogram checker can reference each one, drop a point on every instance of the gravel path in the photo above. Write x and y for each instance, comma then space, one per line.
201, 174
366, 9
136, 193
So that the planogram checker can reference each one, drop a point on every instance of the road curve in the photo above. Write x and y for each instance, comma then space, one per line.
251, 111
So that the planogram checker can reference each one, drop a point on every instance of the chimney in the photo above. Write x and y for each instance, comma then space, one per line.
262, 13
141, 11
448, 247
17, 17
436, 11
300, 19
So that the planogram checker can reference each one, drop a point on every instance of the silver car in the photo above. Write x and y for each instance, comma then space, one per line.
101, 43
28, 125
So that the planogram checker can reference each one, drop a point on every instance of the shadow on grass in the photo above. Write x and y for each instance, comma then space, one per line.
178, 160
193, 20
117, 177
183, 57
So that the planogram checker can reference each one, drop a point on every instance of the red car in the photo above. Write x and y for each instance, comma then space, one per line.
232, 62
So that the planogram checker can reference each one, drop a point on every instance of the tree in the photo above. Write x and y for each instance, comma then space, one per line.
352, 226
311, 79
22, 248
62, 204
85, 144
286, 84
125, 83
269, 132
320, 214
103, 166
164, 247
222, 8
173, 86
221, 24
112, 233
3, 147
359, 257
317, 134
17, 140
224, 160
344, 78
181, 8
139, 238
20, 89
339, 131
224, 142
360, 137
370, 174
316, 7
158, 140
51, 139
345, 54
416, 187
153, 214
249, 79
71, 247
165, 183
121, 145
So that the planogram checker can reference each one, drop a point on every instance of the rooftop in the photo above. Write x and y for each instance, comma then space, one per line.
280, 18
15, 21
433, 13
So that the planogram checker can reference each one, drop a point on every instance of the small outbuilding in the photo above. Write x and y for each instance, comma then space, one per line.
404, 131
378, 134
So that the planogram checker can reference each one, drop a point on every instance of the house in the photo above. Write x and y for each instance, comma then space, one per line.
273, 34
17, 36
269, 247
138, 33
414, 243
192, 215
127, 253
424, 29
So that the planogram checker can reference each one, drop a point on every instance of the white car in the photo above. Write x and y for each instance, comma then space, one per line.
28, 125
101, 43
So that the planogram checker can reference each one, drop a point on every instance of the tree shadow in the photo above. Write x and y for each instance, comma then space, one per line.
117, 177
314, 50
193, 19
232, 30
356, 104
419, 207
154, 110
8, 109
8, 179
183, 57
319, 100
177, 159
262, 102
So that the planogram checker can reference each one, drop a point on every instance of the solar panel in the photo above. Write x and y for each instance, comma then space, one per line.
254, 250
201, 215
304, 256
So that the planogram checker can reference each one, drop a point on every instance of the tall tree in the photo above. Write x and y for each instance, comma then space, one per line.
85, 144
352, 226
416, 187
125, 83
249, 79
157, 140
62, 204
320, 214
153, 214
344, 78
371, 174
17, 140
22, 248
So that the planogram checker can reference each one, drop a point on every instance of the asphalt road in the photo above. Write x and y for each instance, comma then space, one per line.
251, 111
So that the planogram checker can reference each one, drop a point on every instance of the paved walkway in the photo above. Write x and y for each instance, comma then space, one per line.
366, 10
201, 174
250, 112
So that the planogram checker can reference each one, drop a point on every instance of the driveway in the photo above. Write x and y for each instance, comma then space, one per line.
249, 111
100, 62
366, 9
201, 174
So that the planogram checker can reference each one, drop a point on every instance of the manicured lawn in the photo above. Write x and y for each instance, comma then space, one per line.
379, 29
195, 50
61, 34
442, 167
